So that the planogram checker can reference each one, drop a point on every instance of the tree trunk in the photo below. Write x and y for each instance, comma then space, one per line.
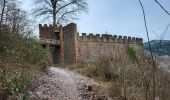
54, 19
3, 10
54, 4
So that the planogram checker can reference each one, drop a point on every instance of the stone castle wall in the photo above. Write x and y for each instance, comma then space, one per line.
73, 47
91, 47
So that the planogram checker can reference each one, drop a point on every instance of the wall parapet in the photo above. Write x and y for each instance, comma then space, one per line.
45, 26
108, 38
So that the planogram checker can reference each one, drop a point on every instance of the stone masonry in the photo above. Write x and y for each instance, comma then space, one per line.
67, 46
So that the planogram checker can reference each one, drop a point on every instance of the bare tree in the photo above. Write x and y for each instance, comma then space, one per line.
60, 10
3, 5
6, 6
14, 18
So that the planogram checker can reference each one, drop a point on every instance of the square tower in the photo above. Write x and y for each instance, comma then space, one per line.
61, 42
50, 38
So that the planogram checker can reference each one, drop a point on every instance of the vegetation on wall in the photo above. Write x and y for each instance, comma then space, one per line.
131, 53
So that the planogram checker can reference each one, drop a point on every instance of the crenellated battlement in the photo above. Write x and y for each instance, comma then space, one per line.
109, 38
45, 26
51, 26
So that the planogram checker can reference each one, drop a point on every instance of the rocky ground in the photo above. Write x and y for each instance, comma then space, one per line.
62, 84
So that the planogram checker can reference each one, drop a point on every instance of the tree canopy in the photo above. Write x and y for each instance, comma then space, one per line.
61, 11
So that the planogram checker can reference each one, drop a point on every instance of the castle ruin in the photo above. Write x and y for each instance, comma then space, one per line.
67, 46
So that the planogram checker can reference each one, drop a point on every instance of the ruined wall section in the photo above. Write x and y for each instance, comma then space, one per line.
92, 47
69, 39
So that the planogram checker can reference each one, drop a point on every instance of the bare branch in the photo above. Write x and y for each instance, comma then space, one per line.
162, 7
47, 2
64, 6
69, 12
46, 18
153, 62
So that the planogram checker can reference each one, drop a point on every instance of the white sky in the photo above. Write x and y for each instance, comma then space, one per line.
121, 17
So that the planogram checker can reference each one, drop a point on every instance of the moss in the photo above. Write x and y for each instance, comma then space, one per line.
131, 53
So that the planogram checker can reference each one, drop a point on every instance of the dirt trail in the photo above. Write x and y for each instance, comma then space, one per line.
60, 84
68, 83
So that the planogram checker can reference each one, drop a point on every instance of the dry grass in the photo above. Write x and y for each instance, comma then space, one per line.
130, 82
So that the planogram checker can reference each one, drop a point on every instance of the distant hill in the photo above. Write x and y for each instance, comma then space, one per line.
159, 47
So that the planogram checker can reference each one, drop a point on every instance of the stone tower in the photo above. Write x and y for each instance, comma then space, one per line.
69, 37
61, 42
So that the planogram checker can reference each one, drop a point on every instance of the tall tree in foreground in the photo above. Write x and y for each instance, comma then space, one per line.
59, 10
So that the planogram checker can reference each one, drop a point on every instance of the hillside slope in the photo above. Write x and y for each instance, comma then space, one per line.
159, 47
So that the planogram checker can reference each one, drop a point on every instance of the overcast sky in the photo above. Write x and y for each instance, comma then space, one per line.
121, 17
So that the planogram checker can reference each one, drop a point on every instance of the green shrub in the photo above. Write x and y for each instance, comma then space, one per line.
131, 53
15, 84
18, 86
19, 52
22, 50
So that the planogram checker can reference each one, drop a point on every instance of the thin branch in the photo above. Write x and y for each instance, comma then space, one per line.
64, 15
162, 7
64, 6
153, 62
43, 13
47, 2
46, 18
166, 30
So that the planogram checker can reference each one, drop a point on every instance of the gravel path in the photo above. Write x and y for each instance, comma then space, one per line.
61, 84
